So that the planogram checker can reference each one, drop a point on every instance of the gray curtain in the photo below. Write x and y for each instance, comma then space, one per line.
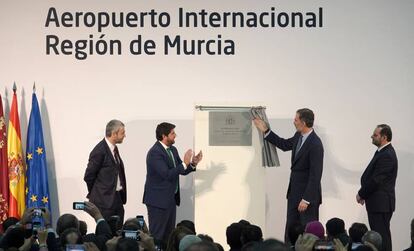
269, 153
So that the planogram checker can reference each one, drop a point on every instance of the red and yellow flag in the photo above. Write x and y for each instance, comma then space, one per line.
16, 164
4, 173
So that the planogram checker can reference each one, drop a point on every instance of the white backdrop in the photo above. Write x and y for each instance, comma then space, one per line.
230, 181
355, 73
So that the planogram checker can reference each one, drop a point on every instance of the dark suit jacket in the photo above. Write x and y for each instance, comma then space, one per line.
101, 177
162, 177
306, 170
378, 181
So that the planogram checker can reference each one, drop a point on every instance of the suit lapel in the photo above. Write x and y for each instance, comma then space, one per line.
169, 161
304, 147
374, 159
108, 151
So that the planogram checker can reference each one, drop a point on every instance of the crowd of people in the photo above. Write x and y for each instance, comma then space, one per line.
107, 193
35, 232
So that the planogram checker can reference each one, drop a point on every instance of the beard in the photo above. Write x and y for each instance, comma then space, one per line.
170, 142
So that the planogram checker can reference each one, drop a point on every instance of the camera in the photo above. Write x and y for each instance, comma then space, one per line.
37, 221
323, 245
75, 247
131, 234
37, 212
141, 221
78, 205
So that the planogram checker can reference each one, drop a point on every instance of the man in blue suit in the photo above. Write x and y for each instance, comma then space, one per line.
377, 190
304, 193
162, 187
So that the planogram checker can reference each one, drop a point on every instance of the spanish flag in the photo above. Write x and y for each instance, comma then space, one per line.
16, 165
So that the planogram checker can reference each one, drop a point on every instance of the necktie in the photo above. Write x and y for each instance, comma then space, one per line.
298, 145
116, 155
121, 174
170, 154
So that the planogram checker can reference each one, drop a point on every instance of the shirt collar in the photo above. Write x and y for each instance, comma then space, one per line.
306, 135
111, 146
164, 145
382, 147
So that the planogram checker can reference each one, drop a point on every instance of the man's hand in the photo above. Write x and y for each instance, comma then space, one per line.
93, 211
197, 158
111, 244
46, 216
302, 206
305, 242
27, 216
90, 246
42, 236
147, 242
187, 157
261, 125
27, 244
338, 246
360, 200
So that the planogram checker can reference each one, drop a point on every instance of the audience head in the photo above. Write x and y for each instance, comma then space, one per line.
356, 231
364, 248
335, 227
249, 246
244, 222
175, 237
187, 241
127, 244
205, 237
66, 221
233, 235
202, 246
9, 222
131, 224
315, 228
251, 233
83, 228
373, 238
14, 237
219, 246
70, 236
188, 224
271, 245
115, 224
294, 231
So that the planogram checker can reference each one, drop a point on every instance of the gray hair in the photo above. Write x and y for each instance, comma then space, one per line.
113, 126
374, 238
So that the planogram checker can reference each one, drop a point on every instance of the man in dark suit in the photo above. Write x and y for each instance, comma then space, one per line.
377, 190
105, 174
304, 193
162, 187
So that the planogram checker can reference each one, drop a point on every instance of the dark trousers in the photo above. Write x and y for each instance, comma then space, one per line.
116, 209
161, 222
294, 217
380, 222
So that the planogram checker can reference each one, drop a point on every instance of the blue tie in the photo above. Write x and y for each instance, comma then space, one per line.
298, 146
